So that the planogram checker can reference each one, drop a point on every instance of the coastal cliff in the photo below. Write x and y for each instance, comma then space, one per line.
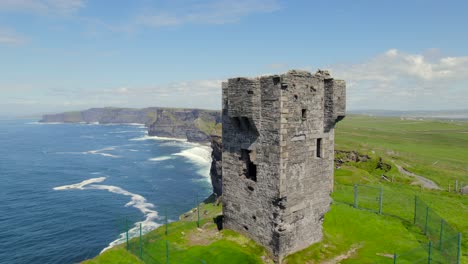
216, 171
195, 125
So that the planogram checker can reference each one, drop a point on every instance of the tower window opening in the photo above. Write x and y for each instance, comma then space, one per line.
304, 114
319, 148
250, 170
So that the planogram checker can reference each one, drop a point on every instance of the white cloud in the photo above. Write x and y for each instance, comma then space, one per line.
10, 37
395, 80
38, 98
210, 12
42, 7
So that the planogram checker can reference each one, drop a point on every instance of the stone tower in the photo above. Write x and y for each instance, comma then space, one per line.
277, 160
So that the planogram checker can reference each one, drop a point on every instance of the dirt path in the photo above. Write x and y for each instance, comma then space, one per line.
343, 256
424, 182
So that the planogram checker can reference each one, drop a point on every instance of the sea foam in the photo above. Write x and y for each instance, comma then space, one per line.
162, 158
199, 155
137, 201
99, 152
146, 137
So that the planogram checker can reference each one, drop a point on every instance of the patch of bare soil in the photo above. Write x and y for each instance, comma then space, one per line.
424, 182
203, 236
343, 256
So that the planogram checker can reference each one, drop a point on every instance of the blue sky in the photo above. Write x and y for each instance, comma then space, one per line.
60, 55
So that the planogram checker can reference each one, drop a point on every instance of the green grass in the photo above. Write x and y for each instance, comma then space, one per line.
437, 150
189, 244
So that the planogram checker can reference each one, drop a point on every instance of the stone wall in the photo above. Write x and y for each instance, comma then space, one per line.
277, 166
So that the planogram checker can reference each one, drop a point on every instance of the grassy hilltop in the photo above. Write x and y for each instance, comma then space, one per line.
436, 150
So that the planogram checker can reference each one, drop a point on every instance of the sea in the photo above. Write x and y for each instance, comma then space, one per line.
69, 191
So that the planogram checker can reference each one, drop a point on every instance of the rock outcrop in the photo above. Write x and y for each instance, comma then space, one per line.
216, 171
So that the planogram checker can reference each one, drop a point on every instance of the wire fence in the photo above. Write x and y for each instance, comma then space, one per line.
444, 241
165, 242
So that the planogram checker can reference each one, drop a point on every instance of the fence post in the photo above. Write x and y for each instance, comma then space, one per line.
459, 248
427, 220
456, 186
198, 213
126, 230
141, 247
429, 257
167, 252
415, 207
394, 258
380, 200
355, 195
441, 233
165, 220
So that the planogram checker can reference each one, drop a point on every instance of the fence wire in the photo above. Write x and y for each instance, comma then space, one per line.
444, 241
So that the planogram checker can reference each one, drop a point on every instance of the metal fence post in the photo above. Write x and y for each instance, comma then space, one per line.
355, 195
427, 220
126, 230
394, 258
415, 207
198, 212
380, 200
141, 247
167, 252
429, 257
165, 220
441, 233
459, 248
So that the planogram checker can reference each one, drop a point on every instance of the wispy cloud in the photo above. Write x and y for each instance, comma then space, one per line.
395, 79
210, 12
10, 37
42, 7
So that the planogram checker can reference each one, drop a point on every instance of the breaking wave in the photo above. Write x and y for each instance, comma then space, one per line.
137, 201
199, 155
146, 137
162, 158
100, 152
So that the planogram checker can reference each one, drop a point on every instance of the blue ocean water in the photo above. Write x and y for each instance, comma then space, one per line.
66, 189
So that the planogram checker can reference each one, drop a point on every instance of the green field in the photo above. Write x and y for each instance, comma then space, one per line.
437, 150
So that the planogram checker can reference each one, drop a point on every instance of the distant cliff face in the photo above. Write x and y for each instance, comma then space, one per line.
195, 125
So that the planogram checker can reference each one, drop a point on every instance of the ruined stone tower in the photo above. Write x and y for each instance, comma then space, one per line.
277, 161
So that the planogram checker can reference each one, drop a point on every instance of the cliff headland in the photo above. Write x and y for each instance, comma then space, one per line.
195, 125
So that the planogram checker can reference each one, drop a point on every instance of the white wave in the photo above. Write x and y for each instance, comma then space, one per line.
45, 123
137, 201
146, 137
99, 152
133, 150
86, 136
161, 158
126, 131
200, 155
80, 185
123, 124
